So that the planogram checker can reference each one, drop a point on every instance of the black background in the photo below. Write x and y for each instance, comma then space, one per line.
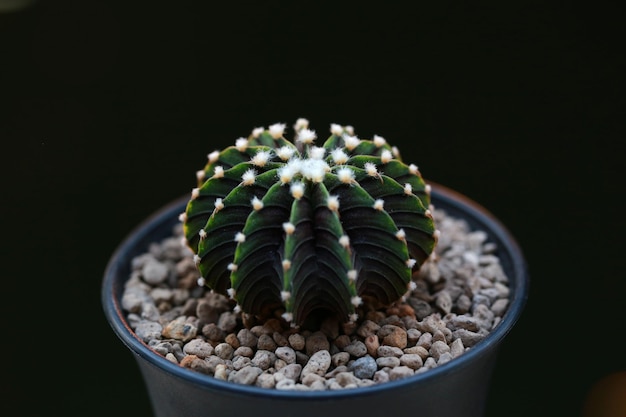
108, 108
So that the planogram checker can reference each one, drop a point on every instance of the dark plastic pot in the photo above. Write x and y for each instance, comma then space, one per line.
457, 388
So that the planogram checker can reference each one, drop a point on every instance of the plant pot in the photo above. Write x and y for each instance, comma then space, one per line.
457, 388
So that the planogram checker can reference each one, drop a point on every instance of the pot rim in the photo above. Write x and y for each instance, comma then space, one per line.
508, 244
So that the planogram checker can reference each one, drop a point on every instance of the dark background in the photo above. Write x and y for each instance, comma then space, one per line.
109, 107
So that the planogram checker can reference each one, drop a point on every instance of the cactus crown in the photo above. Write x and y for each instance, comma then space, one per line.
298, 228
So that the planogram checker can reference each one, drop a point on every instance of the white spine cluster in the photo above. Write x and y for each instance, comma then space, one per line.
351, 142
248, 177
285, 152
385, 156
289, 228
241, 144
306, 136
297, 190
379, 141
257, 204
257, 131
261, 158
333, 202
218, 172
339, 156
336, 129
213, 156
277, 130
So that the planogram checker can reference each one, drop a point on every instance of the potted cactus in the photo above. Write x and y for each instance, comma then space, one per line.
298, 239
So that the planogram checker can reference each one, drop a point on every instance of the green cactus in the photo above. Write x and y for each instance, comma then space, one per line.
298, 228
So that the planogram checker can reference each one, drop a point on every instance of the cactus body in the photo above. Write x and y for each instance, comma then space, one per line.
300, 228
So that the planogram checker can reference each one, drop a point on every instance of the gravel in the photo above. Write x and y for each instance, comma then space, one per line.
459, 298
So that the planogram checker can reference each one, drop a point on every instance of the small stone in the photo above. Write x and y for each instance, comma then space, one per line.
266, 342
246, 376
444, 358
148, 330
393, 336
279, 339
400, 372
286, 353
291, 371
499, 306
227, 321
372, 344
154, 272
213, 333
263, 359
356, 349
232, 340
346, 379
247, 338
364, 367
244, 351
296, 341
224, 351
468, 338
417, 350
198, 347
384, 351
457, 348
342, 341
196, 364
179, 329
265, 381
439, 348
388, 362
425, 340
315, 342
318, 363
240, 362
339, 359
367, 328
413, 361
221, 372
381, 377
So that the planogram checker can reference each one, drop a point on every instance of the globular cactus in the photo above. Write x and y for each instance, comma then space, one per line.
298, 228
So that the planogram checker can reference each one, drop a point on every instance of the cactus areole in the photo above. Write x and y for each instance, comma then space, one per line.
291, 228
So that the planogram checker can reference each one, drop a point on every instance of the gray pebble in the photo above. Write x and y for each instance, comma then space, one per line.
291, 371
246, 376
400, 372
148, 330
198, 347
364, 367
356, 349
263, 359
154, 272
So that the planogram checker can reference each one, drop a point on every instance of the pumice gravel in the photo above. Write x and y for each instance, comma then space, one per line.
459, 296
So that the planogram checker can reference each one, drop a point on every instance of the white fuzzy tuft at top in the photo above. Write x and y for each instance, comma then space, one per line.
277, 130
241, 144
306, 136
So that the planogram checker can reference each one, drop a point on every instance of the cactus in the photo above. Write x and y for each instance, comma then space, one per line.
295, 228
